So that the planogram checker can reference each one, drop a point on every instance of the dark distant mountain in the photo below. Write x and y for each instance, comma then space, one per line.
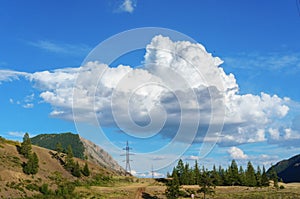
288, 170
81, 147
49, 141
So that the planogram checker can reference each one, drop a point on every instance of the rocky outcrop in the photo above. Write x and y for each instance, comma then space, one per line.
97, 155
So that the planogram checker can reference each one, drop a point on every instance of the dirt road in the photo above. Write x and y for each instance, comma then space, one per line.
139, 192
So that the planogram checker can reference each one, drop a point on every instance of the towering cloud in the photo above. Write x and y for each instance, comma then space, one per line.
180, 86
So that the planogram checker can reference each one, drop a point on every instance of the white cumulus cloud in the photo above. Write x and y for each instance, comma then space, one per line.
237, 153
181, 83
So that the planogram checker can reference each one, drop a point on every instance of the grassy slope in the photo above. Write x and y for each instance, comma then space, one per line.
13, 181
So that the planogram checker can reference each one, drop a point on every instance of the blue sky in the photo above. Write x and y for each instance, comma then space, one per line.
257, 40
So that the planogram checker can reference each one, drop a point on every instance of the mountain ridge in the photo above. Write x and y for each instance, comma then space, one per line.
288, 170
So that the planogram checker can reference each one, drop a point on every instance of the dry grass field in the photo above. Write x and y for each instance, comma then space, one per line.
15, 184
150, 189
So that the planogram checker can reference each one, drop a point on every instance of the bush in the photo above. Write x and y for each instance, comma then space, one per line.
281, 187
32, 187
44, 189
65, 189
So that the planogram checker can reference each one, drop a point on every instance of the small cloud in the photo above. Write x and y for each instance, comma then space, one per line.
28, 105
127, 6
57, 113
63, 48
29, 98
147, 174
16, 134
266, 61
191, 157
159, 158
11, 101
237, 153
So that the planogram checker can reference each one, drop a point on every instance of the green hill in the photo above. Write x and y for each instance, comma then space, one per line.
50, 141
288, 170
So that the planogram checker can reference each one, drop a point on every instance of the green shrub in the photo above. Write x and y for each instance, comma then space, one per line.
281, 187
32, 187
44, 189
65, 189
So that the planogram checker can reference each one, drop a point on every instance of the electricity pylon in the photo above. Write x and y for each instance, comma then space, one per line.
127, 160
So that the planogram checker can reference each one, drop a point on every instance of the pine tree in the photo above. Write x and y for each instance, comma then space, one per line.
191, 176
59, 148
250, 176
215, 176
206, 184
25, 148
258, 177
185, 178
32, 165
180, 171
233, 173
174, 171
69, 162
172, 190
86, 170
264, 178
76, 170
242, 178
222, 175
274, 177
226, 178
196, 173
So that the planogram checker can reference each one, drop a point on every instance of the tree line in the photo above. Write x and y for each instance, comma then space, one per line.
234, 175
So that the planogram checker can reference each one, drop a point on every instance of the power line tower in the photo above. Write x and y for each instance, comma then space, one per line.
152, 171
127, 160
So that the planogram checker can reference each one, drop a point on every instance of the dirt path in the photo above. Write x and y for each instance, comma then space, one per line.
139, 192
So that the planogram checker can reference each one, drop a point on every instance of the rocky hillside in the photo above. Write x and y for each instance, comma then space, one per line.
288, 170
96, 154
82, 148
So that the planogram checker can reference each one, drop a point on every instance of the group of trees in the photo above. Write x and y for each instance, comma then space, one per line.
233, 175
32, 164
69, 163
183, 174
